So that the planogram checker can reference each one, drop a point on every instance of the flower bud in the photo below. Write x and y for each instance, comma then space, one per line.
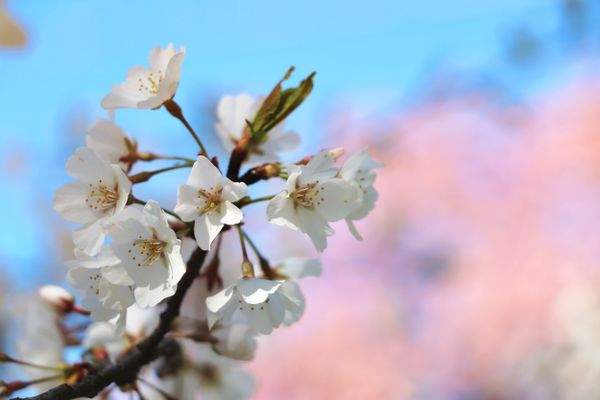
247, 269
58, 298
336, 153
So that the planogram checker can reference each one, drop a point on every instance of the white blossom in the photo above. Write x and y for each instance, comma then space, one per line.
290, 270
149, 88
359, 170
105, 284
207, 199
206, 373
111, 143
148, 249
314, 197
232, 114
99, 192
258, 301
235, 340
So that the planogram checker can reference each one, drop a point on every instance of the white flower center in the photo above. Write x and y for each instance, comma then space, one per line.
102, 197
308, 194
211, 199
151, 84
152, 249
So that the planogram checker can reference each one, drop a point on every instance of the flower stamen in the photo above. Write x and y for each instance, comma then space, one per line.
102, 197
212, 199
307, 195
151, 248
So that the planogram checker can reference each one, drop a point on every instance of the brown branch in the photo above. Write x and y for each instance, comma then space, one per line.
238, 155
127, 369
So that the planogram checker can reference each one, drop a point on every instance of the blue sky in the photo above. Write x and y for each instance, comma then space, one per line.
368, 54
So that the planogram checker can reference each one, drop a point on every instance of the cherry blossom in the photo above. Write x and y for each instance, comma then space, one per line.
106, 286
111, 143
149, 88
150, 252
99, 193
314, 197
235, 340
232, 114
207, 199
258, 301
359, 170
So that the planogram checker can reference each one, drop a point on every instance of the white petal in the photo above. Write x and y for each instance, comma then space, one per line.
148, 296
367, 204
315, 226
109, 141
157, 219
284, 142
293, 301
123, 188
176, 264
86, 166
103, 314
206, 231
233, 191
90, 238
117, 275
69, 202
231, 215
255, 291
232, 113
218, 301
259, 318
186, 203
353, 230
280, 211
360, 161
295, 268
322, 163
337, 199
204, 175
159, 57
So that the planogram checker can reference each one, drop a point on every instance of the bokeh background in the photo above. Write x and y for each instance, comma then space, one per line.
479, 274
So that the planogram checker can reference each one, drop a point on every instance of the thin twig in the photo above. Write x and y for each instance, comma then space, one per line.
175, 110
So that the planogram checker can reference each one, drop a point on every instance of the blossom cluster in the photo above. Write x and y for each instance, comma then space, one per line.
128, 252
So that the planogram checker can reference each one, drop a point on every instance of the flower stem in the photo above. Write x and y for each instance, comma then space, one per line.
257, 200
134, 200
175, 110
7, 359
146, 175
265, 266
242, 243
152, 157
247, 268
